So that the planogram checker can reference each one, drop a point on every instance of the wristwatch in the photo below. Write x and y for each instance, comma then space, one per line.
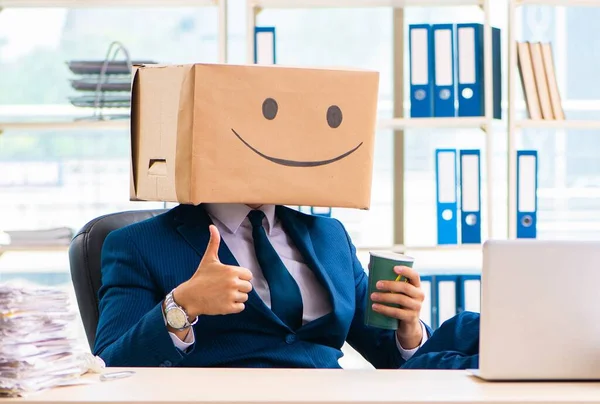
176, 315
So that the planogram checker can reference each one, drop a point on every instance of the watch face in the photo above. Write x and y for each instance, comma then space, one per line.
176, 318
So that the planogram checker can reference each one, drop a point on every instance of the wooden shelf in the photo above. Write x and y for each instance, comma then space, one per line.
551, 124
394, 124
361, 3
455, 247
561, 3
461, 259
432, 248
434, 123
104, 3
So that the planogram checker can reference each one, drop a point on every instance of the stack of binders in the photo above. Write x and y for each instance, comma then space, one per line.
538, 78
452, 183
447, 70
464, 185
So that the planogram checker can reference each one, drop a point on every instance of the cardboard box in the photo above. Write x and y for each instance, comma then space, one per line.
253, 134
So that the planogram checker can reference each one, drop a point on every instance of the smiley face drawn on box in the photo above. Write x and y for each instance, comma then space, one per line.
334, 117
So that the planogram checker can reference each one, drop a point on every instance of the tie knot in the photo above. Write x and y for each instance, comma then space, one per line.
256, 217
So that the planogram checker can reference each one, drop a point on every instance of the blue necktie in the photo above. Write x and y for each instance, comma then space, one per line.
286, 300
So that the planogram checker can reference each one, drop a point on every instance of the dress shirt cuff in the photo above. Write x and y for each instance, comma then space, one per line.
189, 340
406, 354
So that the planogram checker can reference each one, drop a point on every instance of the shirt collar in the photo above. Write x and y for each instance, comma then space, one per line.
232, 215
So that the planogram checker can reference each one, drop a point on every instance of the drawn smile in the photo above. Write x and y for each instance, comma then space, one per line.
295, 163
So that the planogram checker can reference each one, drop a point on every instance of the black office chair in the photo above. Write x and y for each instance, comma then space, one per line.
84, 260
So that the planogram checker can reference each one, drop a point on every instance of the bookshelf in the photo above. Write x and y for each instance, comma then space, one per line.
566, 124
107, 124
516, 123
401, 123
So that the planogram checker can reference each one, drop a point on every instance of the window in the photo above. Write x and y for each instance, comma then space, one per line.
54, 177
64, 177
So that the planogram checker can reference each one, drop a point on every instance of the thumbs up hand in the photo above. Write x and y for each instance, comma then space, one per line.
214, 288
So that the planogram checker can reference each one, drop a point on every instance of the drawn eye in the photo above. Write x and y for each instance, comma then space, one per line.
269, 108
334, 116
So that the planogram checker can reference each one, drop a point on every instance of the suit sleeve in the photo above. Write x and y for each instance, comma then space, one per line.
131, 329
443, 360
376, 345
455, 345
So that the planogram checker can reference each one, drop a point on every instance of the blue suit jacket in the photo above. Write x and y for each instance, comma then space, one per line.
141, 263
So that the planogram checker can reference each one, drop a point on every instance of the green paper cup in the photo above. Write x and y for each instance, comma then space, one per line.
381, 268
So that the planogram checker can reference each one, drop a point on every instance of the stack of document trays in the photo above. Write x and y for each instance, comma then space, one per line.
37, 349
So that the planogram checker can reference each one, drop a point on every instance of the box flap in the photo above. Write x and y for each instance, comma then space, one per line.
155, 107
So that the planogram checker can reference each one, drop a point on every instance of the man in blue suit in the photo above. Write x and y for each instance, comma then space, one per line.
217, 264
235, 285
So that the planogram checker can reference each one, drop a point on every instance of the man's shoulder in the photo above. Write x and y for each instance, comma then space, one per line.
326, 233
155, 223
313, 220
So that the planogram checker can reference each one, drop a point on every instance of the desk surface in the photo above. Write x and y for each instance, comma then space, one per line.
239, 386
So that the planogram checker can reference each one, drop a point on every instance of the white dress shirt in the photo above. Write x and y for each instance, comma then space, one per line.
236, 231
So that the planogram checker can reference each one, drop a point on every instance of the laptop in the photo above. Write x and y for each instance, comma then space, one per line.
540, 311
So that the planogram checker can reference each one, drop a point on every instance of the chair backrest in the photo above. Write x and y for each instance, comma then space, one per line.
84, 259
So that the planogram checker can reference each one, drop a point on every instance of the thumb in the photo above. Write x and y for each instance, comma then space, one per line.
212, 249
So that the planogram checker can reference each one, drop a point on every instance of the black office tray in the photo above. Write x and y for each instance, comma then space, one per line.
104, 101
91, 84
95, 66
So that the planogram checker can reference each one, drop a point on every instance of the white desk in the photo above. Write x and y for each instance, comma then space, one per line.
240, 386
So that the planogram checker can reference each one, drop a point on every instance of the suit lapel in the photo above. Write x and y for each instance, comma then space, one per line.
193, 222
193, 225
298, 232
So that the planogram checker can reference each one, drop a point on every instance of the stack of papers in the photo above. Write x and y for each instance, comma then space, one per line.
56, 236
37, 350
